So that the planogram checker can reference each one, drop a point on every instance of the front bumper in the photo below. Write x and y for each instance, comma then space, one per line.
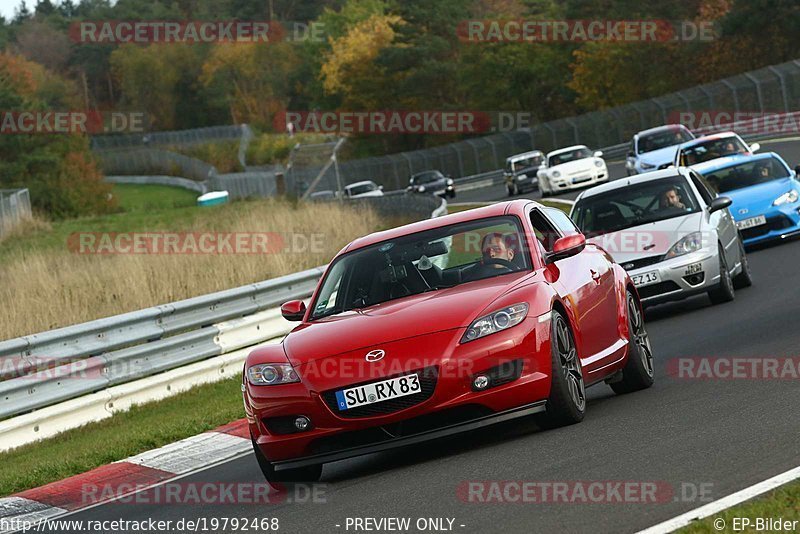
782, 223
523, 182
679, 277
576, 182
333, 437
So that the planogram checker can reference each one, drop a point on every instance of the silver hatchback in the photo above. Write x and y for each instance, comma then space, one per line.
673, 236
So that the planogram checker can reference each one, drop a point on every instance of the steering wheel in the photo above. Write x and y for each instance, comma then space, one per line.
501, 262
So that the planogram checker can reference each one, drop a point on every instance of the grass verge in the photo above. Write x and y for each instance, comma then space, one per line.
44, 268
782, 503
125, 434
133, 197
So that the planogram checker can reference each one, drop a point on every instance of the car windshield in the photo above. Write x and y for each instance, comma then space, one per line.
424, 261
522, 164
658, 140
746, 174
572, 155
361, 189
633, 205
712, 149
426, 177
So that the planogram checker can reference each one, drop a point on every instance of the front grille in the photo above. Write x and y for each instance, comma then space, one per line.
427, 380
658, 289
778, 222
642, 262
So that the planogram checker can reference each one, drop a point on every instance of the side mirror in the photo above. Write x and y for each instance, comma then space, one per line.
631, 154
294, 310
598, 153
566, 247
754, 147
380, 187
719, 203
797, 171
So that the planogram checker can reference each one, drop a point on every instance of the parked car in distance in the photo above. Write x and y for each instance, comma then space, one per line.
570, 168
655, 148
432, 183
673, 235
764, 191
367, 188
521, 172
710, 147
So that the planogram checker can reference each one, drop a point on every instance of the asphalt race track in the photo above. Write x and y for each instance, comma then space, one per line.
719, 435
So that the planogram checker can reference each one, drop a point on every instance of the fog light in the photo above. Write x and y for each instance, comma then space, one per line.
302, 423
481, 382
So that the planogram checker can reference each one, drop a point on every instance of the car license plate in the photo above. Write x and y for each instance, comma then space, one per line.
378, 392
581, 179
646, 279
752, 222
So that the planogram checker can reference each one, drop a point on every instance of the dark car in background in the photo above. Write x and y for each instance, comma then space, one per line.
521, 172
432, 183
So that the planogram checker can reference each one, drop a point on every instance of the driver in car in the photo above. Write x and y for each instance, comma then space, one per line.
497, 253
671, 199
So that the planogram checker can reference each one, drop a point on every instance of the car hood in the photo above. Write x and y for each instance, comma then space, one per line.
757, 199
646, 240
417, 315
660, 156
574, 167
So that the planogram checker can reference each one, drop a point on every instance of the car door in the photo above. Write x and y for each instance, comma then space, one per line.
721, 220
581, 282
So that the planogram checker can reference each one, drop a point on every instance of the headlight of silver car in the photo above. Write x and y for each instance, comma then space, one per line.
645, 166
787, 198
688, 243
271, 374
496, 321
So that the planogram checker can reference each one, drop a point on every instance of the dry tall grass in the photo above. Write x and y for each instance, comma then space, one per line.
46, 289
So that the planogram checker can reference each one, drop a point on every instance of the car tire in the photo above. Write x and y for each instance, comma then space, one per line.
311, 473
566, 404
725, 291
744, 278
516, 189
510, 190
639, 371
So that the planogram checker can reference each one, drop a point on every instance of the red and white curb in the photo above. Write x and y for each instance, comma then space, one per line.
127, 476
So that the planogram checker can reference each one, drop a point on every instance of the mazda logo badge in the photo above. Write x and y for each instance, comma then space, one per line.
744, 211
375, 355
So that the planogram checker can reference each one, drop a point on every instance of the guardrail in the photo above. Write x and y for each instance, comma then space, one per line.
47, 368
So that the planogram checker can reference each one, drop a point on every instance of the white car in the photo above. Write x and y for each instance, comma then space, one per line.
655, 148
710, 147
570, 168
366, 188
670, 232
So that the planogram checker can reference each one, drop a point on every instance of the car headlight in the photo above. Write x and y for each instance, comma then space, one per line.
688, 243
450, 181
787, 198
644, 165
556, 174
598, 163
522, 177
496, 321
271, 374
421, 189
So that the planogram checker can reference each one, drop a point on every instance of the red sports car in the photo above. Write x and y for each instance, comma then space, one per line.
444, 326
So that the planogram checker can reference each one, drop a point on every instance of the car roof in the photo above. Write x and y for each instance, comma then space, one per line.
632, 180
662, 128
709, 137
524, 155
729, 161
493, 210
365, 182
566, 149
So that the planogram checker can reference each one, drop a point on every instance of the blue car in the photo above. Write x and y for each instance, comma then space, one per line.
765, 194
